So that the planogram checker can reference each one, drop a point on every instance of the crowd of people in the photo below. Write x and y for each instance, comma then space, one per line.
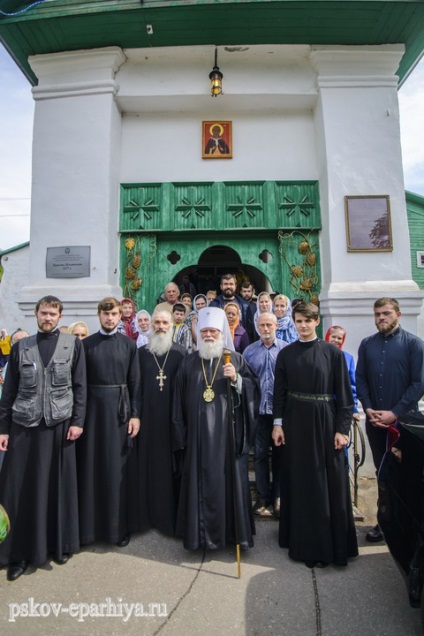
149, 423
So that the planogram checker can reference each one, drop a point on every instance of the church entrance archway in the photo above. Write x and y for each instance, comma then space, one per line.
216, 261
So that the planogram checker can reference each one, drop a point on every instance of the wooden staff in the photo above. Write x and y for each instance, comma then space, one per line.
232, 448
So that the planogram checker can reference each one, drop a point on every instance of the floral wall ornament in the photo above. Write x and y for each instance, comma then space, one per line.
299, 250
296, 270
133, 260
304, 247
130, 244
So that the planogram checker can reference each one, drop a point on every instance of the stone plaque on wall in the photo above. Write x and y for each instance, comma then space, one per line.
68, 262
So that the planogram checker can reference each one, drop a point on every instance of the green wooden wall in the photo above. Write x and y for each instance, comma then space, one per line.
415, 209
272, 225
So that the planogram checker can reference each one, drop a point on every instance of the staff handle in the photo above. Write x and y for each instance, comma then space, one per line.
227, 360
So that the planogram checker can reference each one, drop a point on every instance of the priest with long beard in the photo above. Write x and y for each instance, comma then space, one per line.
156, 482
215, 506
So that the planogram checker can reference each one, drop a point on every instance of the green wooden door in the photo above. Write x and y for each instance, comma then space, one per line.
272, 226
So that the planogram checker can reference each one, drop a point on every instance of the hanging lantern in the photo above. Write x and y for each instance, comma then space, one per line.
215, 77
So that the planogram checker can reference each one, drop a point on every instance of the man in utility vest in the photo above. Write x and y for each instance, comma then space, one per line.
42, 412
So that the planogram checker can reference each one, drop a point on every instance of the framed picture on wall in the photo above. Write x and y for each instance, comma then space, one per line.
368, 223
217, 141
420, 259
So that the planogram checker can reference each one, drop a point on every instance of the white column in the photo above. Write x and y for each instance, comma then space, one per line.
359, 153
75, 189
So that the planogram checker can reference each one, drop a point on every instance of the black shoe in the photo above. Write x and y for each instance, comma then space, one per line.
310, 564
374, 535
321, 564
63, 559
15, 570
124, 541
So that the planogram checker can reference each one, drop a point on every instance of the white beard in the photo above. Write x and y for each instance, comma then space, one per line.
211, 350
159, 343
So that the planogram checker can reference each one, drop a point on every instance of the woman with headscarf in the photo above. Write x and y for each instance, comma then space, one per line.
263, 304
143, 320
199, 302
337, 335
128, 324
238, 332
282, 309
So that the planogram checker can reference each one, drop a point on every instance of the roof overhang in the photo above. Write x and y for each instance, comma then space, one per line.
51, 26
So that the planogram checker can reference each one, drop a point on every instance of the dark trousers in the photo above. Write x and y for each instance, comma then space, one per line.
377, 439
263, 441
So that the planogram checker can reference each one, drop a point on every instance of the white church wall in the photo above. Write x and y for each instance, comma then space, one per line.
76, 156
269, 95
168, 147
358, 143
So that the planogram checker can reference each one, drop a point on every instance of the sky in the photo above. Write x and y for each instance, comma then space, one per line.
17, 112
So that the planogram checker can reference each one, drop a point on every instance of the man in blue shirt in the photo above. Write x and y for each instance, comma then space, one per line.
389, 379
261, 357
228, 294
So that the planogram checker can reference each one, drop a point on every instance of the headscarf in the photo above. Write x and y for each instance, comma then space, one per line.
285, 326
195, 311
349, 361
143, 311
194, 302
215, 318
258, 312
142, 338
128, 326
237, 321
330, 329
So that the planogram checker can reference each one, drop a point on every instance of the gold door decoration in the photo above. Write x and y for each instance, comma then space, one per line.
299, 250
133, 281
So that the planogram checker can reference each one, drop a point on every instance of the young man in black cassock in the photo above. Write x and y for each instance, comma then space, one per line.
41, 415
215, 507
112, 421
157, 485
313, 408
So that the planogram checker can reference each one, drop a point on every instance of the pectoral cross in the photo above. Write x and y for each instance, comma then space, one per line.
161, 377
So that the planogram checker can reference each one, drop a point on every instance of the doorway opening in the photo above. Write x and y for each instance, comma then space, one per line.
216, 261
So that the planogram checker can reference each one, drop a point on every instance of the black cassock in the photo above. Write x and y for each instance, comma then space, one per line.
207, 506
316, 520
104, 451
38, 480
155, 502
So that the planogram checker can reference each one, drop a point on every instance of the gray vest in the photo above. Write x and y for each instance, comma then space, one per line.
44, 392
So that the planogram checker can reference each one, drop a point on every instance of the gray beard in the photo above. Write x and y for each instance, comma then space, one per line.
159, 343
210, 350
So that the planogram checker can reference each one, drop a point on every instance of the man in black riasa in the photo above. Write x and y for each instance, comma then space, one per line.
105, 451
156, 483
215, 506
313, 407
41, 415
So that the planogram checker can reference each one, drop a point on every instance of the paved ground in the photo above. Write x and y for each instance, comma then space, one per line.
200, 595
